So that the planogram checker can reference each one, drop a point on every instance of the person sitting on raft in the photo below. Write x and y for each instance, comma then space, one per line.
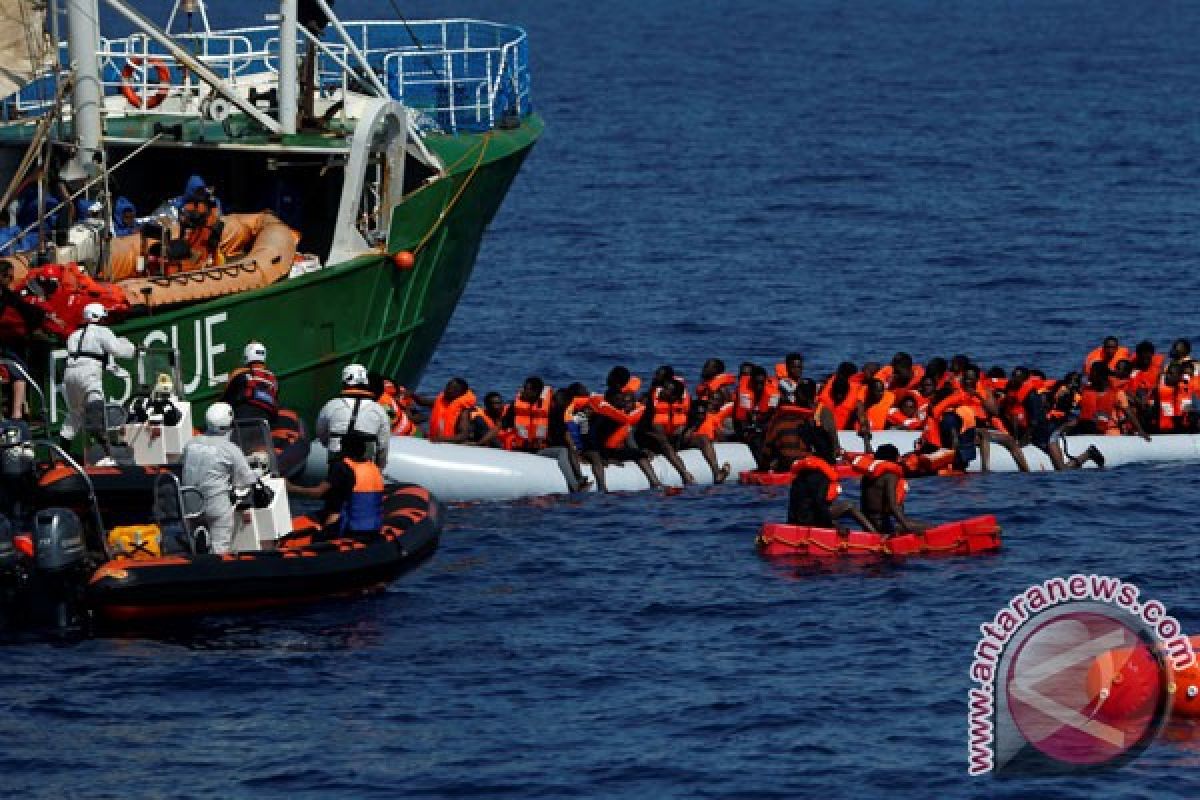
672, 412
1103, 407
815, 496
662, 424
1108, 353
901, 374
713, 378
486, 421
788, 375
839, 403
613, 416
450, 412
883, 492
878, 401
905, 415
561, 442
965, 418
1023, 411
757, 397
200, 226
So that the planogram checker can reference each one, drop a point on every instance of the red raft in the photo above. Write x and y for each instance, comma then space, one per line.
969, 536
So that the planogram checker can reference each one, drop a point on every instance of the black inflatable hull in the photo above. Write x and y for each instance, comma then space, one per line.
125, 591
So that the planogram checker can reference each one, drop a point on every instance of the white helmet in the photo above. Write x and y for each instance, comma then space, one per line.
94, 312
355, 375
219, 417
255, 351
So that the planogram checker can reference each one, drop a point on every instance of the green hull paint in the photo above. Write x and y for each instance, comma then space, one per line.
365, 310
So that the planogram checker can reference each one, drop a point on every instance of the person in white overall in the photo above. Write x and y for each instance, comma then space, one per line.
217, 467
90, 350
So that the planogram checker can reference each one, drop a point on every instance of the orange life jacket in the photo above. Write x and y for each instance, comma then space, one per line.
896, 419
879, 468
888, 376
1146, 379
443, 417
203, 239
1100, 408
531, 421
625, 421
748, 404
877, 415
363, 510
672, 417
1098, 355
814, 464
714, 420
1170, 406
843, 413
706, 388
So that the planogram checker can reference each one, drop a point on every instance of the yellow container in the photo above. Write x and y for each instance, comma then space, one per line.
135, 541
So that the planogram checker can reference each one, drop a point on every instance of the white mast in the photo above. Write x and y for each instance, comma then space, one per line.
83, 43
288, 76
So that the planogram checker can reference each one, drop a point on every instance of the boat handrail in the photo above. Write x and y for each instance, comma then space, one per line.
462, 74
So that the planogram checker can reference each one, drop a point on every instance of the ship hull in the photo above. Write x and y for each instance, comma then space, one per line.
365, 310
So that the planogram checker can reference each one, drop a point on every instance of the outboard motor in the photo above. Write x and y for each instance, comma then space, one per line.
16, 466
61, 561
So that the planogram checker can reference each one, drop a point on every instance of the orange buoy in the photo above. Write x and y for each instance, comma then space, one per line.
1122, 683
404, 260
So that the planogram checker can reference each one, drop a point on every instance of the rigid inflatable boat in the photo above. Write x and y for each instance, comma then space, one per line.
297, 569
460, 473
966, 537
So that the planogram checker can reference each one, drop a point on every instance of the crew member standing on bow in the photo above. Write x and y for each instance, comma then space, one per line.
253, 391
217, 468
355, 410
90, 350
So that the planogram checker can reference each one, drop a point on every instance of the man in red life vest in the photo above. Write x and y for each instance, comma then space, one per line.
788, 376
884, 490
450, 412
662, 426
1108, 353
486, 422
613, 417
253, 391
528, 416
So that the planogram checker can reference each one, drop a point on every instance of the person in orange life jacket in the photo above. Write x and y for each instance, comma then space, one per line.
1169, 401
1024, 410
900, 373
1191, 390
757, 399
1108, 353
528, 416
964, 420
1144, 378
957, 366
397, 403
485, 422
937, 372
559, 442
612, 420
450, 412
839, 404
1181, 352
905, 415
785, 439
883, 493
200, 226
1101, 406
662, 424
253, 391
351, 494
713, 377
814, 498
788, 374
877, 404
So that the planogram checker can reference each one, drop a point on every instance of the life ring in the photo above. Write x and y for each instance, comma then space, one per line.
129, 87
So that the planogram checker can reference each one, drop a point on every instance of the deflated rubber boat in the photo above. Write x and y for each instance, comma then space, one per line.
966, 537
459, 473
1117, 450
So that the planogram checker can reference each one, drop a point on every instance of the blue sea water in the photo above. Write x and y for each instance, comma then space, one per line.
1009, 180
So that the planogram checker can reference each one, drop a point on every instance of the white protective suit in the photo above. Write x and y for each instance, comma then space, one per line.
215, 465
369, 417
89, 350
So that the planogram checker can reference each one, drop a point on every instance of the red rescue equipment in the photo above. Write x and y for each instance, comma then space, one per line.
130, 85
967, 537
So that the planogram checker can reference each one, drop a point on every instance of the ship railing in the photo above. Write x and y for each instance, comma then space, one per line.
462, 74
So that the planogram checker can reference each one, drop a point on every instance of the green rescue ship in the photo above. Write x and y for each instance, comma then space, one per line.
370, 139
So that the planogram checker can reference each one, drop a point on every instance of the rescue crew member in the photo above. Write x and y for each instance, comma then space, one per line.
354, 410
90, 350
124, 217
883, 493
200, 226
217, 467
253, 391
352, 499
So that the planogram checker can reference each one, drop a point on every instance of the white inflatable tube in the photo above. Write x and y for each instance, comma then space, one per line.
458, 473
1117, 450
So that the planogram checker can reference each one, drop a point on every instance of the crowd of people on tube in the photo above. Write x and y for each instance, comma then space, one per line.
960, 410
